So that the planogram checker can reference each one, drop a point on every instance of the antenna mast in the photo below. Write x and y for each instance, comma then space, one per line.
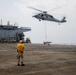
1, 21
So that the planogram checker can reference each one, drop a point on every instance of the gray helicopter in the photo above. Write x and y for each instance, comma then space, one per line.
45, 16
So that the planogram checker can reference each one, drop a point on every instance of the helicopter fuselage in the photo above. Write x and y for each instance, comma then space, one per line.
44, 16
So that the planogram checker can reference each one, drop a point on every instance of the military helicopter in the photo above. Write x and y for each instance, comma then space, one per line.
45, 16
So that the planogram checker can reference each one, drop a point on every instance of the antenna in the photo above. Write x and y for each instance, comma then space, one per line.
8, 23
1, 21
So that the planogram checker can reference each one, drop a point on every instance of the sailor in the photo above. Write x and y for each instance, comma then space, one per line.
20, 51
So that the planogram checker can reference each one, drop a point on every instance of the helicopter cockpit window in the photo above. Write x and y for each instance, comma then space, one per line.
51, 16
38, 14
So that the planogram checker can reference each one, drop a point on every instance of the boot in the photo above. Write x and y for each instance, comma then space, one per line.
22, 64
18, 64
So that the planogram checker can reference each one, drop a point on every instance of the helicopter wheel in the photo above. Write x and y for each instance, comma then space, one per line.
39, 20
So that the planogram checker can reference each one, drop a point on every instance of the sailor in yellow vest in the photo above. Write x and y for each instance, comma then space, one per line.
20, 51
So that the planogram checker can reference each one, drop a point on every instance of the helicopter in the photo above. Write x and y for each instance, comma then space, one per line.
43, 15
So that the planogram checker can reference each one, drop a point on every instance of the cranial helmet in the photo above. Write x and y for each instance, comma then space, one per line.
20, 41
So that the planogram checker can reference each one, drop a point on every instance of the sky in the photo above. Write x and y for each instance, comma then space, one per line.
17, 11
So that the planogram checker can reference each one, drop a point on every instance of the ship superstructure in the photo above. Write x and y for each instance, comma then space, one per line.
12, 33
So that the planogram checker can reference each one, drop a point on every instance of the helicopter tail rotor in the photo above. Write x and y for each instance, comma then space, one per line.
63, 20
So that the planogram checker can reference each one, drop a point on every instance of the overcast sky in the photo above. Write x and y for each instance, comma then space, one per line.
17, 11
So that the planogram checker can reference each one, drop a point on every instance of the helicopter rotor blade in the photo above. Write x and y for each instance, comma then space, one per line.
44, 11
54, 8
35, 9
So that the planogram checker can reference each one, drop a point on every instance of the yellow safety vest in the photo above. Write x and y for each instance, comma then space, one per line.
20, 47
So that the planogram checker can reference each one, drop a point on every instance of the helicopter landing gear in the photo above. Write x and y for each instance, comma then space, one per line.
39, 20
58, 23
